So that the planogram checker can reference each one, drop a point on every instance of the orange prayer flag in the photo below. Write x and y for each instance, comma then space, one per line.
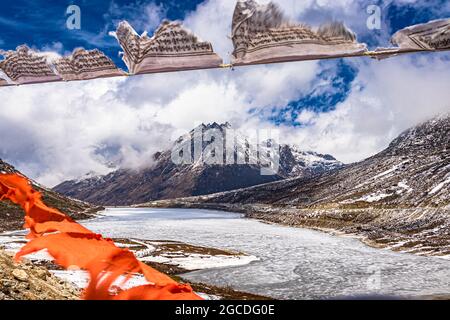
72, 245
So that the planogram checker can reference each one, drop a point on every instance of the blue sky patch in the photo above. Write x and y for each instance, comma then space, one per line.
331, 87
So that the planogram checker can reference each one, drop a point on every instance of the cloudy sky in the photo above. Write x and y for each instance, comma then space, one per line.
349, 108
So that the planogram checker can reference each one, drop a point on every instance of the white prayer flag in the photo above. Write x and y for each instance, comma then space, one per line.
261, 34
4, 81
25, 66
84, 65
434, 35
172, 48
431, 36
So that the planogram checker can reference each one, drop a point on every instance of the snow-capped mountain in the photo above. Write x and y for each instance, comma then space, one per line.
202, 169
413, 171
296, 163
399, 198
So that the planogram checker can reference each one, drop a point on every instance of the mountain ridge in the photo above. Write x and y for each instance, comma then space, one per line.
200, 176
398, 198
11, 216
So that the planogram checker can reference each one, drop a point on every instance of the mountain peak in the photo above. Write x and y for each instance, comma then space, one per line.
214, 125
199, 172
429, 137
413, 172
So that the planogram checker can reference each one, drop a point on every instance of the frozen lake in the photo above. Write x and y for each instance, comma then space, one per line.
294, 263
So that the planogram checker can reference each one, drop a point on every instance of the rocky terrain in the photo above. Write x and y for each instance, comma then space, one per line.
11, 216
39, 278
35, 279
26, 281
167, 180
398, 198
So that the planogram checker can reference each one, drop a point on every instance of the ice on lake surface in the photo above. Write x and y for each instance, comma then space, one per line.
294, 263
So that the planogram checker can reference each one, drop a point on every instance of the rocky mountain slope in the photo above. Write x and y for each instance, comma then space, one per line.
414, 171
11, 216
398, 198
167, 180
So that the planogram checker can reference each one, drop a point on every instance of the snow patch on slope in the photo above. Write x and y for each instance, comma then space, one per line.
439, 186
200, 261
374, 197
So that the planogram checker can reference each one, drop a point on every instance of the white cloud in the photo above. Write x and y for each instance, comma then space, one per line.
62, 130
142, 16
59, 131
396, 94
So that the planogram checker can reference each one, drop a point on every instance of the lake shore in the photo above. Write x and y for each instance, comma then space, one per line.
227, 273
52, 282
374, 227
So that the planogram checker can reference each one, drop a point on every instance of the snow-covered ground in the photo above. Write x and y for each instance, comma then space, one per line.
80, 279
440, 186
401, 188
146, 251
374, 197
201, 261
